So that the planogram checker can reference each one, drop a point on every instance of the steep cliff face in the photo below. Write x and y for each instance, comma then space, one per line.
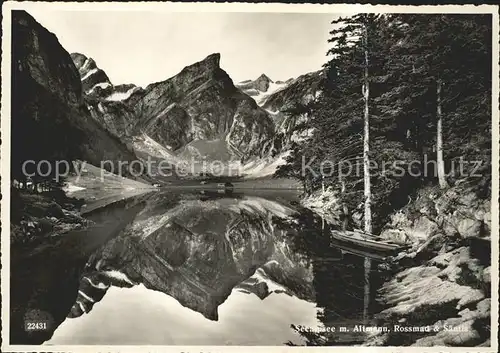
49, 117
278, 96
289, 127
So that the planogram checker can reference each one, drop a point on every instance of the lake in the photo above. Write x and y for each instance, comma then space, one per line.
194, 267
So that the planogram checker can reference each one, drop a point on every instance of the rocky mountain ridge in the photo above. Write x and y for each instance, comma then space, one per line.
199, 103
198, 114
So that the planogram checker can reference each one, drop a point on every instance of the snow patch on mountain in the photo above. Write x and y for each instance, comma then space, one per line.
102, 85
88, 74
99, 285
120, 276
121, 96
261, 88
273, 88
85, 65
302, 136
261, 276
260, 205
147, 145
267, 166
144, 228
70, 188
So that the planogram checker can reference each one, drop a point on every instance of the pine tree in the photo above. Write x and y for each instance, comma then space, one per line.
350, 113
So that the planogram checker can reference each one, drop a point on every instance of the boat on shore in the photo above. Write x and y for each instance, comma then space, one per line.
365, 240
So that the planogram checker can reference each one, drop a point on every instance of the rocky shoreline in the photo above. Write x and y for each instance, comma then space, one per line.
443, 279
34, 215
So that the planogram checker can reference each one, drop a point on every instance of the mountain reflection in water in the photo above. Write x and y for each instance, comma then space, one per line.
214, 269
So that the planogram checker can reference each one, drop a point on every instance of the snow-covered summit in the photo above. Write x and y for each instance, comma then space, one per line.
261, 88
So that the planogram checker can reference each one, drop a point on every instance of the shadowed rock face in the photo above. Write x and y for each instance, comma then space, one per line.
38, 55
198, 252
47, 102
301, 90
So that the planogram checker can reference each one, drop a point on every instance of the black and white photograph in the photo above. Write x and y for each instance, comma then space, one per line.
268, 176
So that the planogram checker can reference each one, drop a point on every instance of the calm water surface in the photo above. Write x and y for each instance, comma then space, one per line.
193, 268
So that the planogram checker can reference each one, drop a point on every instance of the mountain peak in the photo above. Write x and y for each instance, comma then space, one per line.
264, 77
209, 64
213, 59
262, 83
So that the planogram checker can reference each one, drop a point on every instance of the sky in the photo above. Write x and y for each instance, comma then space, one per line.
139, 316
147, 47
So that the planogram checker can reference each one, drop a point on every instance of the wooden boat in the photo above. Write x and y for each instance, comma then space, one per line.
364, 240
359, 251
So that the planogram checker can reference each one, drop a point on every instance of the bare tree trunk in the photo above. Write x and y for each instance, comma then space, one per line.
366, 175
366, 143
345, 209
439, 140
366, 298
